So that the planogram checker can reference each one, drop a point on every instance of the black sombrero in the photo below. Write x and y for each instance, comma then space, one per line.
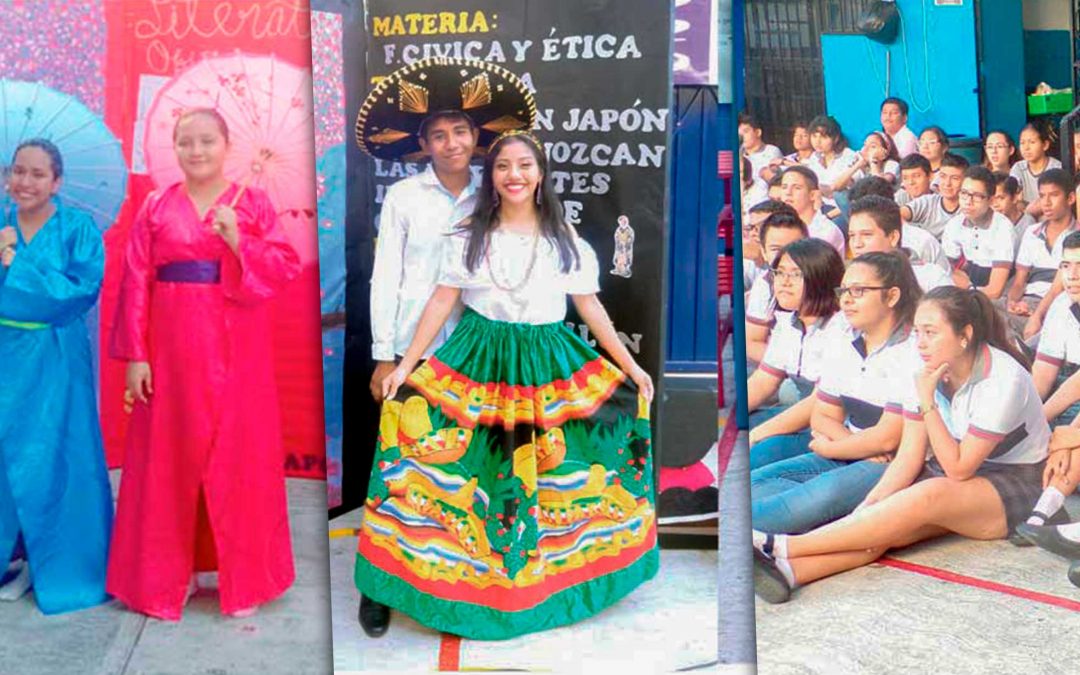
495, 100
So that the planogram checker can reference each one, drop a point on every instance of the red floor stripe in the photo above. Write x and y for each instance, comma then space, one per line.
449, 653
974, 582
727, 444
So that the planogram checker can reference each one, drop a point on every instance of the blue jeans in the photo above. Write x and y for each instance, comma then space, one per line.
762, 415
798, 494
777, 448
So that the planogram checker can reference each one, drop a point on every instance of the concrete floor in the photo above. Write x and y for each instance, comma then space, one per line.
883, 619
666, 625
289, 635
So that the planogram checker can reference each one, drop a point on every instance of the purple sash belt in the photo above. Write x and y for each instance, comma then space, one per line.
190, 272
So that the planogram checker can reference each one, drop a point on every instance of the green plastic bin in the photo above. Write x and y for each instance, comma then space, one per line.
1048, 104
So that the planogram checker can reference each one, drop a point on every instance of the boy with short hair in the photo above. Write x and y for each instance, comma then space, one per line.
1040, 250
915, 173
1008, 200
921, 244
932, 211
753, 147
978, 240
894, 117
800, 186
875, 226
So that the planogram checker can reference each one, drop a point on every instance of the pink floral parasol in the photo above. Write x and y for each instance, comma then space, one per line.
266, 103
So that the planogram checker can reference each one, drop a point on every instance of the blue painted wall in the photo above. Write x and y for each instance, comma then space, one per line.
1004, 93
695, 204
855, 76
1047, 56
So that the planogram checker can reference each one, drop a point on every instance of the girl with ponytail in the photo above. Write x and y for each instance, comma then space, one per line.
971, 455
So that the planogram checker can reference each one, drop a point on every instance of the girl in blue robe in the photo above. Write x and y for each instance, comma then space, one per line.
54, 487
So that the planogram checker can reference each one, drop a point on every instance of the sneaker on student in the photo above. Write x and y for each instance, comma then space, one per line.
769, 582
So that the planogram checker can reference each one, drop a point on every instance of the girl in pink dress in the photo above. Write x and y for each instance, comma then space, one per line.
203, 483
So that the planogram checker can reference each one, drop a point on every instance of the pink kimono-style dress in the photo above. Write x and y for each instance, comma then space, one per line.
203, 484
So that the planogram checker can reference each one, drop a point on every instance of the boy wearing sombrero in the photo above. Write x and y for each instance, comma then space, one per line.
443, 109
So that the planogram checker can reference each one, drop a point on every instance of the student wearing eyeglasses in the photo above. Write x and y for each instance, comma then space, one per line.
978, 240
854, 429
804, 277
1039, 256
776, 232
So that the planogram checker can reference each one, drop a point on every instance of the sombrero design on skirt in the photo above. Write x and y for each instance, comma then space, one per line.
389, 120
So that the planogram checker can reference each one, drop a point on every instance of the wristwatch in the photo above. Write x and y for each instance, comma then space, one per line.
926, 410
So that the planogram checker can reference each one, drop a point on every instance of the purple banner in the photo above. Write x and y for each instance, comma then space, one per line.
695, 42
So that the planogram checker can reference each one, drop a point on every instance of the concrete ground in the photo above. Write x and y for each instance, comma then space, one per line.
667, 624
289, 635
950, 605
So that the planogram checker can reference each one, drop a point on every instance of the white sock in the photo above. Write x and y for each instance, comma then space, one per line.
1070, 531
1050, 502
779, 546
759, 539
784, 565
19, 586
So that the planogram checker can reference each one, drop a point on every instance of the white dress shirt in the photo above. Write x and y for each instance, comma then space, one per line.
417, 216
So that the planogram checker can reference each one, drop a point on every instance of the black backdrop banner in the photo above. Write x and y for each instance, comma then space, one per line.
601, 74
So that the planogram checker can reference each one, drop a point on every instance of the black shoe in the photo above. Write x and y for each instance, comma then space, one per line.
1048, 539
769, 582
1019, 540
374, 617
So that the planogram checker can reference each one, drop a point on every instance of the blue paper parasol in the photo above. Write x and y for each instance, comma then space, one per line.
330, 170
95, 174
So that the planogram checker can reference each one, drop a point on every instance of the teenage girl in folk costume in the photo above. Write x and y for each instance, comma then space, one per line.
203, 485
512, 487
54, 488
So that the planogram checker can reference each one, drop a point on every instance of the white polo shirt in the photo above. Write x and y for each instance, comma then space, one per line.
865, 383
1039, 258
929, 213
923, 245
760, 159
821, 227
930, 276
1059, 341
827, 175
1029, 182
760, 303
1021, 226
999, 402
797, 352
978, 250
906, 142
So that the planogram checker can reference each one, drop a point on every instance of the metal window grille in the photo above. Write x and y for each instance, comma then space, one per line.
783, 68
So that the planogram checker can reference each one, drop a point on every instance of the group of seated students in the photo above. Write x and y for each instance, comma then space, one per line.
913, 330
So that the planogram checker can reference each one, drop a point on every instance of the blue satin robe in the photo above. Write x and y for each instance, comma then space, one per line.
54, 486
